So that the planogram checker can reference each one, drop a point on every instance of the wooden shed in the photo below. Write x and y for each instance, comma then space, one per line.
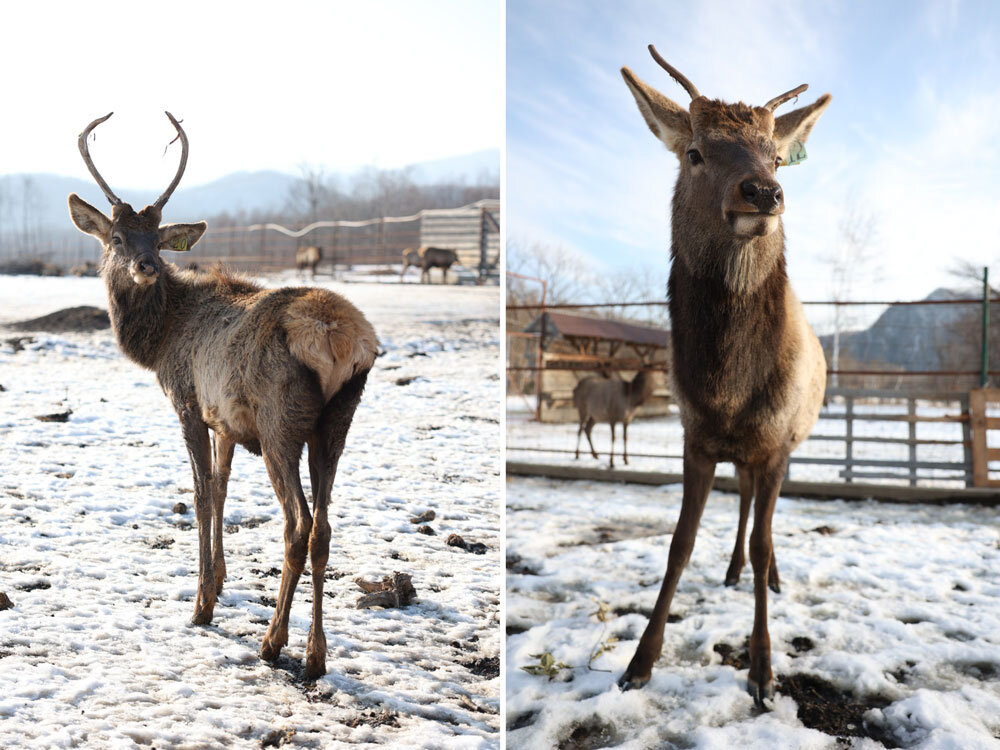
575, 347
472, 231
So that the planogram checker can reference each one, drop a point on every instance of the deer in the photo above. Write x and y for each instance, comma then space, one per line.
426, 258
270, 370
308, 257
748, 372
610, 400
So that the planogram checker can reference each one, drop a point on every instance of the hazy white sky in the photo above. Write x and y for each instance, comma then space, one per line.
258, 85
912, 134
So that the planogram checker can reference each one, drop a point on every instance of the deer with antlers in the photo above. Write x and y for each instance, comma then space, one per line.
271, 370
748, 372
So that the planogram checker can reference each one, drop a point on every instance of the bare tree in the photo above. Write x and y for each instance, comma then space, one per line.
850, 261
309, 194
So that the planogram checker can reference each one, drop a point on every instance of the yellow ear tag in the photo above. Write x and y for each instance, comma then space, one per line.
796, 154
180, 244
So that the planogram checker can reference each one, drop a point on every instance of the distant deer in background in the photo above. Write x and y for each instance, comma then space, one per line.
308, 257
748, 372
426, 258
271, 370
612, 401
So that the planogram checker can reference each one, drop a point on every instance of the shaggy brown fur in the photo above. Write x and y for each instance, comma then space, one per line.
748, 373
272, 370
426, 258
611, 401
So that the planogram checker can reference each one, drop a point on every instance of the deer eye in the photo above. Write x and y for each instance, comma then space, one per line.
694, 156
116, 241
777, 162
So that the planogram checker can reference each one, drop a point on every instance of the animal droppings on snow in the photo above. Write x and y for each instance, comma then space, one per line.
392, 591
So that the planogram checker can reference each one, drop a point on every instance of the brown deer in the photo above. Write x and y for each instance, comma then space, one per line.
308, 257
271, 370
604, 400
426, 258
748, 372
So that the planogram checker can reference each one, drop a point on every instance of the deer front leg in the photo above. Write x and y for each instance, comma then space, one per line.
579, 432
200, 453
760, 681
746, 496
587, 430
612, 444
222, 449
283, 469
698, 475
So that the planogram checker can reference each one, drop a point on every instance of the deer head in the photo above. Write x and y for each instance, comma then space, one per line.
729, 153
132, 240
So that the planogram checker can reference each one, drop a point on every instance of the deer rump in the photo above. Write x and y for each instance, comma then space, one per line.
327, 337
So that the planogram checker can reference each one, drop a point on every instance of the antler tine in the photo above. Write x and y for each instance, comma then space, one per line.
180, 169
779, 100
85, 153
674, 73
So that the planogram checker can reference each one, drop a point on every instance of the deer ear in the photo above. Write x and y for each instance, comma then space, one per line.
669, 121
88, 219
181, 237
791, 130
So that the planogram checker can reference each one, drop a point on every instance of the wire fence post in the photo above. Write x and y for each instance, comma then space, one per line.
985, 368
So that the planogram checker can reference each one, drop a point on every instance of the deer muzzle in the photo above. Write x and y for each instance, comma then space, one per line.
145, 269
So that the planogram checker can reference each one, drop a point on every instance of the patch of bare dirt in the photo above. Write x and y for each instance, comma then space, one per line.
832, 711
69, 320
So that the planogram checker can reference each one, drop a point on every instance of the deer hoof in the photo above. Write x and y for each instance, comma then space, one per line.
732, 579
775, 586
315, 666
629, 681
760, 692
202, 616
269, 651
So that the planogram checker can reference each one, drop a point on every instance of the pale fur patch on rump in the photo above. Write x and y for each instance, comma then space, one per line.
331, 337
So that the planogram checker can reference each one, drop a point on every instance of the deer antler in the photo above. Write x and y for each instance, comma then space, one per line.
779, 100
85, 153
180, 170
674, 73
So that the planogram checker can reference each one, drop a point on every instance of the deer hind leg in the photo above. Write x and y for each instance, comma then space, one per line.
612, 444
625, 442
579, 432
200, 452
760, 681
698, 474
746, 497
222, 449
283, 468
325, 449
587, 430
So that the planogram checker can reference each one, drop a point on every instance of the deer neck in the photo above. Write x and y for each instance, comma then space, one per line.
726, 345
140, 316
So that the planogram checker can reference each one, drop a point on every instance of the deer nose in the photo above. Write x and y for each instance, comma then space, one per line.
765, 197
147, 267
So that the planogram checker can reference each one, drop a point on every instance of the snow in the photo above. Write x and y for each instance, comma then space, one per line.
97, 650
901, 602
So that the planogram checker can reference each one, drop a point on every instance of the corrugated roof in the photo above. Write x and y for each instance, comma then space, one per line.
596, 328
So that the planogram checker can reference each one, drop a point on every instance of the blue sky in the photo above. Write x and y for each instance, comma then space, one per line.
912, 135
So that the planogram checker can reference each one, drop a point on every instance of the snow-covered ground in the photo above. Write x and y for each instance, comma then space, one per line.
97, 650
897, 604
